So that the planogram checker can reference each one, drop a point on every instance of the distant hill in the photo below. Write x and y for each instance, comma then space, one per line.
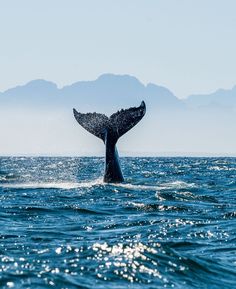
106, 93
220, 98
36, 119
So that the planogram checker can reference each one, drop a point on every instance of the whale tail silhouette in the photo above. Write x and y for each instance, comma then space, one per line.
110, 129
117, 124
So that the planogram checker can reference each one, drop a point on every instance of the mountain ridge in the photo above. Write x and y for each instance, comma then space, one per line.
106, 92
118, 86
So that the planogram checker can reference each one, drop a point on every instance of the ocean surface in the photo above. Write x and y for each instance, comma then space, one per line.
172, 224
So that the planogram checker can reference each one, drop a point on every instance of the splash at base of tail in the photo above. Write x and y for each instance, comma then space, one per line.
110, 129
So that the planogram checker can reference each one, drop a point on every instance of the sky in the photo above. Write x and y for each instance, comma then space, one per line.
186, 45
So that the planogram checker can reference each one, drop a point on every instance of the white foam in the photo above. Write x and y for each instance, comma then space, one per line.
97, 182
139, 187
179, 185
53, 185
159, 187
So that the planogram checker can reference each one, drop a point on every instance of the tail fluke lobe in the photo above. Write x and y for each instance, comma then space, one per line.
95, 123
123, 120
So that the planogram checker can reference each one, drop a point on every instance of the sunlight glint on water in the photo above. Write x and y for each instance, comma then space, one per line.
170, 225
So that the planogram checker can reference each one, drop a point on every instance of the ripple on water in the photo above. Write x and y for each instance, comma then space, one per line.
171, 225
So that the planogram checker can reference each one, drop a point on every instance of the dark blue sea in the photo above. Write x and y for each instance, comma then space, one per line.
172, 224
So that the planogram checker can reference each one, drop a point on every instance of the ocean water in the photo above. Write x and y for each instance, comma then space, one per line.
172, 224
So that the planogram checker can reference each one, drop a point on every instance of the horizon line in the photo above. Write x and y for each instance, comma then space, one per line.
163, 155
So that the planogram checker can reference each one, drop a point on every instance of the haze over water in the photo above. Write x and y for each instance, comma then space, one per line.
171, 225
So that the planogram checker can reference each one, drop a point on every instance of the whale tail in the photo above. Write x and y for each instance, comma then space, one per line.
110, 129
117, 124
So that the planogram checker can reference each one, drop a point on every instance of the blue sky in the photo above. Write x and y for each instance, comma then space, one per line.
188, 46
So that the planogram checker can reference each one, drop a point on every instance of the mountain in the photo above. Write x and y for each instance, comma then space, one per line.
106, 93
220, 98
109, 91
34, 93
36, 119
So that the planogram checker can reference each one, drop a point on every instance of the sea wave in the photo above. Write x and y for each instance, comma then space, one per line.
170, 225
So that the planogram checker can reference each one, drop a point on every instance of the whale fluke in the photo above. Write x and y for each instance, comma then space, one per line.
123, 120
110, 129
95, 123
